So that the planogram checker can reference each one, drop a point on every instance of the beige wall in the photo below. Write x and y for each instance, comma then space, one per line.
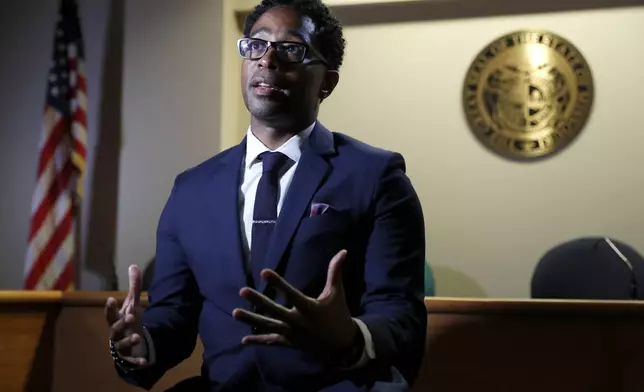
171, 106
158, 90
234, 117
489, 220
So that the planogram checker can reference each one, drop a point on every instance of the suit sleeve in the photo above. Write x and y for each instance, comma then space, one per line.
393, 306
171, 318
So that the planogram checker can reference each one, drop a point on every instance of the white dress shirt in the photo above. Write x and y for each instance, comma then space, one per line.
251, 174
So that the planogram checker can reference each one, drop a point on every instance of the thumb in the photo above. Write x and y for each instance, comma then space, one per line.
134, 293
334, 285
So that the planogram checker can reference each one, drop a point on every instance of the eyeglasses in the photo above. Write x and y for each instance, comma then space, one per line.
286, 51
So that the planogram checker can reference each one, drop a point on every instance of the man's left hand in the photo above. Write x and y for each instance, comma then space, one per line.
322, 324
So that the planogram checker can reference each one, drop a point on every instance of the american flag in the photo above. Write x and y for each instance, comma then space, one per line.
51, 254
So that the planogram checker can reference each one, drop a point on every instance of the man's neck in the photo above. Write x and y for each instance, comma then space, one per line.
272, 136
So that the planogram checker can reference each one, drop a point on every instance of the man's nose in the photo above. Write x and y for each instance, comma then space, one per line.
269, 60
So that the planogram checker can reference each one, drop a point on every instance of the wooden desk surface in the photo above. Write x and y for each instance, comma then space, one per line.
433, 304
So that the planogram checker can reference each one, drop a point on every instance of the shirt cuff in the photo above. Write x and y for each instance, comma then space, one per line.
369, 351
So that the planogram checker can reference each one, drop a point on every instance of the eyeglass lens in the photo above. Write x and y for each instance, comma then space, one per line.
254, 49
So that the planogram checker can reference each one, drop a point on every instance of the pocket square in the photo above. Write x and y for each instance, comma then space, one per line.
319, 208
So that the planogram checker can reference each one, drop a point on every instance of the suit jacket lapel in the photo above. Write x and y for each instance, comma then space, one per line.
311, 171
226, 216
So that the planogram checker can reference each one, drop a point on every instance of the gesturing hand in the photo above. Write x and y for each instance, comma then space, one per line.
126, 324
322, 324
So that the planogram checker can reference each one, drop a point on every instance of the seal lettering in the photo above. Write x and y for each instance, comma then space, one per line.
526, 104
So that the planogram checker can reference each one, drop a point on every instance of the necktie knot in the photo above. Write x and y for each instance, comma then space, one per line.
272, 162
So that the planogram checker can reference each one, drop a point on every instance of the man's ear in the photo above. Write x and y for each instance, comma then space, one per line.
331, 79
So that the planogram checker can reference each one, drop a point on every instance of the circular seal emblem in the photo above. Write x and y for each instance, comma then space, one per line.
528, 94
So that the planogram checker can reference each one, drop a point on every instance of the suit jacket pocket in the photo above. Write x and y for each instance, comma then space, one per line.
316, 241
329, 225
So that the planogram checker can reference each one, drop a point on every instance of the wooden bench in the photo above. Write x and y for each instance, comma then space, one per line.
57, 342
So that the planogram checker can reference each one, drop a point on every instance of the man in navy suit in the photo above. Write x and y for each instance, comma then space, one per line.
296, 256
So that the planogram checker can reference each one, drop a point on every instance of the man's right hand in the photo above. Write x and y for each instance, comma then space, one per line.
126, 327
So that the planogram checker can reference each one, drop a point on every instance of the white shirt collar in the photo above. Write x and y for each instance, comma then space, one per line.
292, 148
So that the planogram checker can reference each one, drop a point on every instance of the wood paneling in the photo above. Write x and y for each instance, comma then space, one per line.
82, 360
57, 342
26, 340
574, 346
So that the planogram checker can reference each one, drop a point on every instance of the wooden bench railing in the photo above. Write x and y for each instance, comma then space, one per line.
57, 342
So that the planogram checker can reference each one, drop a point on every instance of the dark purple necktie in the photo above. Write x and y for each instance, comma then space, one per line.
265, 210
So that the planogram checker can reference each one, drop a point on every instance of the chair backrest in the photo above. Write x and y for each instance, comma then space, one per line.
589, 268
429, 281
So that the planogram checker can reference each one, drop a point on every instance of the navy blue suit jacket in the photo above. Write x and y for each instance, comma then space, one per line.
375, 215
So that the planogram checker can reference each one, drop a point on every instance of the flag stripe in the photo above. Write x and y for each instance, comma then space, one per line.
51, 221
52, 142
51, 117
45, 257
65, 279
58, 185
60, 260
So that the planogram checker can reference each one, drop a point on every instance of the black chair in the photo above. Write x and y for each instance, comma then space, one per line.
595, 268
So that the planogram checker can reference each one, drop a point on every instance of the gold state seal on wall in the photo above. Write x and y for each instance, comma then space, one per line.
528, 94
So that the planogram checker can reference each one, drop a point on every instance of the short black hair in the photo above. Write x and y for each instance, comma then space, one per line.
328, 38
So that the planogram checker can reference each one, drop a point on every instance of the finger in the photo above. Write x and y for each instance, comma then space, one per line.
125, 345
111, 311
261, 322
139, 361
292, 295
334, 283
271, 338
267, 305
118, 329
134, 293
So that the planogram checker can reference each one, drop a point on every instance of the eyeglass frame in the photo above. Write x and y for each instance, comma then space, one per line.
272, 44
